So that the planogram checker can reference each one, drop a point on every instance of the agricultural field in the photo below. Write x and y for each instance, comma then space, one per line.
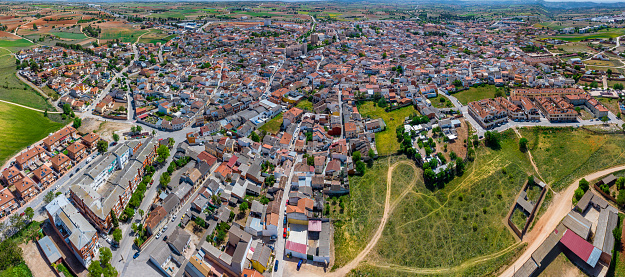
13, 90
476, 93
155, 36
14, 45
564, 154
125, 35
21, 127
605, 34
386, 141
575, 47
469, 214
272, 126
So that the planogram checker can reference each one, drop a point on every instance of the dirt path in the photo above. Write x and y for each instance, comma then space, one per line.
561, 205
378, 233
531, 158
27, 107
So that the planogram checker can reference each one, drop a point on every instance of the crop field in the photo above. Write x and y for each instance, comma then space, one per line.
442, 229
69, 35
13, 90
564, 154
125, 35
155, 36
612, 33
575, 47
15, 45
600, 63
21, 127
273, 126
386, 141
475, 93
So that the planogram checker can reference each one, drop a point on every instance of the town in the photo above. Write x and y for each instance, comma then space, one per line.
279, 139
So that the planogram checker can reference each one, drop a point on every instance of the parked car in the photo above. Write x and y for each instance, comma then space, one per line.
273, 237
285, 220
284, 234
165, 238
136, 255
275, 268
299, 264
158, 235
165, 228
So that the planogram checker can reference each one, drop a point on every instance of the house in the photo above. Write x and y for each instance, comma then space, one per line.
260, 259
61, 163
50, 250
59, 137
90, 141
156, 219
11, 175
165, 261
77, 151
29, 157
179, 240
7, 202
44, 176
75, 230
26, 189
291, 116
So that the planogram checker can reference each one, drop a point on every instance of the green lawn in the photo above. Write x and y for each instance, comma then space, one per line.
441, 228
273, 126
476, 93
305, 105
69, 35
565, 154
123, 35
13, 90
386, 141
21, 127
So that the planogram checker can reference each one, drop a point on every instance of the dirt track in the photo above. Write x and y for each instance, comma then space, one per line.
561, 205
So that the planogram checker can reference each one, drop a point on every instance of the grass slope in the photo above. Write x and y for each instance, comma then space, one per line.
13, 90
20, 127
386, 141
564, 154
461, 221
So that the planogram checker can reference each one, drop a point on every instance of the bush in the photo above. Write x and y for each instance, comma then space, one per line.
11, 254
523, 145
584, 185
579, 192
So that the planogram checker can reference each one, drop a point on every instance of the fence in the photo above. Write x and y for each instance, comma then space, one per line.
530, 218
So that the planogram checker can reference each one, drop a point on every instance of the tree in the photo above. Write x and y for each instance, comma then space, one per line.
620, 183
361, 167
102, 146
243, 207
310, 160
95, 270
141, 212
105, 255
114, 219
67, 109
523, 144
618, 86
11, 254
77, 122
621, 197
109, 271
116, 137
371, 154
45, 113
200, 222
117, 235
492, 139
163, 153
356, 156
584, 185
139, 128
29, 213
578, 194
254, 136
48, 197
609, 71
604, 119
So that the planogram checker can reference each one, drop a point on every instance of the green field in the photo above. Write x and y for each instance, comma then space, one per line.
305, 105
441, 102
20, 270
272, 126
13, 90
444, 229
386, 141
21, 127
612, 33
68, 35
15, 45
564, 154
123, 35
476, 93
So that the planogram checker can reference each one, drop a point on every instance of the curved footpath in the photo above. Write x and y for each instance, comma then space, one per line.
26, 107
560, 207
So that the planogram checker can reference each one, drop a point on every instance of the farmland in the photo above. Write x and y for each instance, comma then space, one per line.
20, 127
564, 154
475, 93
13, 90
14, 45
454, 225
611, 33
125, 35
386, 141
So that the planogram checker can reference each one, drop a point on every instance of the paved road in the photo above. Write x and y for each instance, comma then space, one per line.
281, 242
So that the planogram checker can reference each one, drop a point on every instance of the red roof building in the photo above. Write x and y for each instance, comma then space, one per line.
580, 247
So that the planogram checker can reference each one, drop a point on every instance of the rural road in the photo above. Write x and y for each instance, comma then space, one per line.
560, 207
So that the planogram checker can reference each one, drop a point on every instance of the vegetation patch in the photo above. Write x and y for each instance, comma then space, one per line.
386, 141
564, 154
14, 90
272, 126
305, 105
476, 93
